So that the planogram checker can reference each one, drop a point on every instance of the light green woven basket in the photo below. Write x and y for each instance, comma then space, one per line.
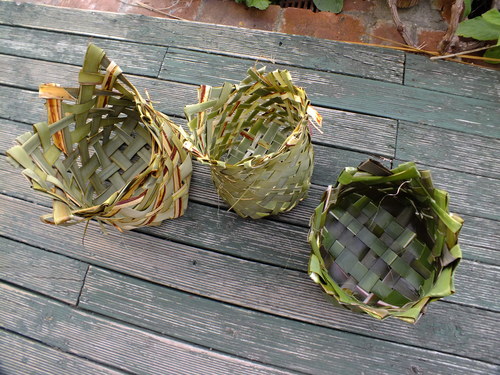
255, 137
105, 153
383, 241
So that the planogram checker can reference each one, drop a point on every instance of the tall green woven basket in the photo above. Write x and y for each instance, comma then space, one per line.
255, 137
105, 153
383, 241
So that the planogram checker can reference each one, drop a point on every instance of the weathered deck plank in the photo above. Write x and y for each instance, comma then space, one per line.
471, 194
329, 90
449, 149
347, 129
211, 292
272, 340
248, 284
478, 237
22, 355
44, 272
69, 49
337, 91
119, 345
453, 78
287, 49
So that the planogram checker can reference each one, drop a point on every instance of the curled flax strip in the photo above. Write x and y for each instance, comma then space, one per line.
255, 137
108, 156
383, 241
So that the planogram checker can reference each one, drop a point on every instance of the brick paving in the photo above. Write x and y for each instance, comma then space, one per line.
360, 20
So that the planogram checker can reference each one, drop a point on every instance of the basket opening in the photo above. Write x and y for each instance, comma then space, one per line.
109, 156
374, 249
257, 131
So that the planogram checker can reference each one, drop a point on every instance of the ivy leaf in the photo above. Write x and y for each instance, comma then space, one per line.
493, 53
334, 6
492, 16
467, 8
259, 4
481, 28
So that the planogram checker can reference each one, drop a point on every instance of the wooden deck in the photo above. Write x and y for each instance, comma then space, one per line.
211, 293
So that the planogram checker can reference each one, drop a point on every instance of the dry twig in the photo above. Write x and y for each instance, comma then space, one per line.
399, 24
450, 37
152, 9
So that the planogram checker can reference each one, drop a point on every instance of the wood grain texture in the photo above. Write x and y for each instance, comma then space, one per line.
449, 149
328, 90
478, 237
20, 355
119, 345
467, 277
217, 229
28, 73
453, 78
169, 97
348, 93
345, 129
469, 194
254, 335
214, 294
380, 64
32, 113
70, 49
451, 328
44, 272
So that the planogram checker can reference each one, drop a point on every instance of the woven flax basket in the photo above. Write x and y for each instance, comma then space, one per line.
105, 153
383, 241
255, 137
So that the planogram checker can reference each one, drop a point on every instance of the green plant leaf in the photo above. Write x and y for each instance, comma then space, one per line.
479, 28
467, 8
334, 6
493, 53
259, 4
492, 16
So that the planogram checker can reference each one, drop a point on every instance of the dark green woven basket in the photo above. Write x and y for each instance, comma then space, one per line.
383, 241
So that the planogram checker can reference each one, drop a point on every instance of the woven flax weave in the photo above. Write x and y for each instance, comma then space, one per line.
255, 137
104, 153
383, 241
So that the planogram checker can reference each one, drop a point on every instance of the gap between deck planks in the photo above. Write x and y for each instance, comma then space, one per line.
32, 357
351, 133
470, 195
315, 53
319, 148
202, 191
247, 284
339, 92
227, 327
41, 271
473, 154
115, 344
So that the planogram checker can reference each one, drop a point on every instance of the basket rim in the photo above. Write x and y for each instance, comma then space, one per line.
294, 139
441, 286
